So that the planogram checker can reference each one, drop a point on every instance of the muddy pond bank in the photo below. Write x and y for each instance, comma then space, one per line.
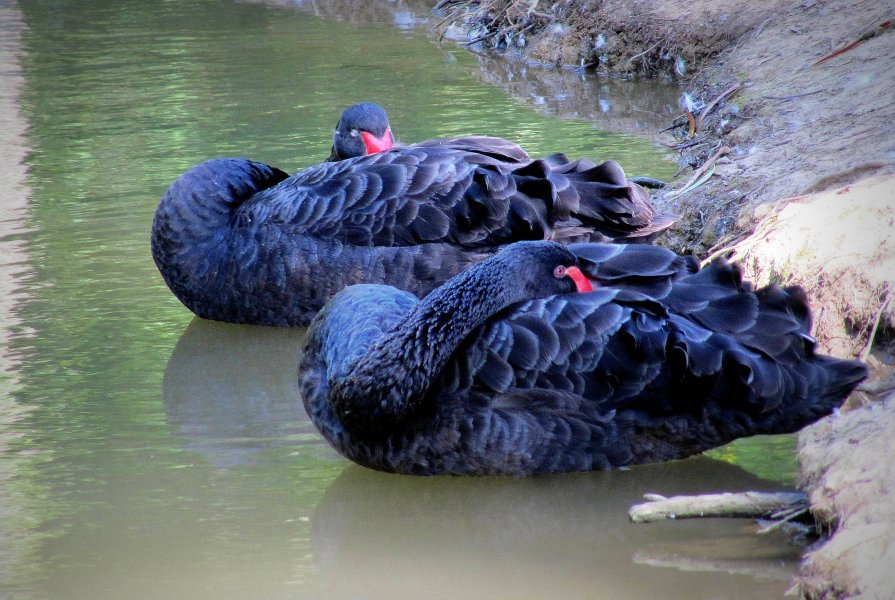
787, 165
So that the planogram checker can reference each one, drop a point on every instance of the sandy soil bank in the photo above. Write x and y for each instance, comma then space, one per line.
850, 487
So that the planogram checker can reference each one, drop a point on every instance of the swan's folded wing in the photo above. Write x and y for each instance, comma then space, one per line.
494, 147
469, 198
650, 270
541, 344
623, 350
401, 198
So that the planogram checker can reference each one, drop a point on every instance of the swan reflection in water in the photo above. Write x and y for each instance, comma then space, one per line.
378, 535
231, 392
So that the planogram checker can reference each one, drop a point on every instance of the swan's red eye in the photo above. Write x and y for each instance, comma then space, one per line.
559, 271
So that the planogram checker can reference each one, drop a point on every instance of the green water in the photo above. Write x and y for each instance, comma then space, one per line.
148, 454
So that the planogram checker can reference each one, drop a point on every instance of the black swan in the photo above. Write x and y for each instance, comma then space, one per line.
243, 242
364, 129
507, 369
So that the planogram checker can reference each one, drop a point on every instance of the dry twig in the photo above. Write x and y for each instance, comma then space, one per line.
647, 51
729, 92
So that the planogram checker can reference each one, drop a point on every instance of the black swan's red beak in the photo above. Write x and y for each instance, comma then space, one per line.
378, 144
582, 283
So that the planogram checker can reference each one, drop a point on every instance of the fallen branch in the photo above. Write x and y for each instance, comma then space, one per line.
743, 505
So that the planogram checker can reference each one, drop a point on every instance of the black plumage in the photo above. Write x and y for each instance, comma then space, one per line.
505, 369
243, 242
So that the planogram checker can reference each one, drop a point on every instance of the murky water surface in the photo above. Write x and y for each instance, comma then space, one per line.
148, 454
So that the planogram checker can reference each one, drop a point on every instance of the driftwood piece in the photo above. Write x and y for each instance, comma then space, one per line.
742, 505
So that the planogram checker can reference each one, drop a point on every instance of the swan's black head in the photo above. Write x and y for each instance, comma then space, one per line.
538, 269
362, 129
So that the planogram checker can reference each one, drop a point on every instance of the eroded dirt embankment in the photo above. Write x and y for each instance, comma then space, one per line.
791, 170
786, 128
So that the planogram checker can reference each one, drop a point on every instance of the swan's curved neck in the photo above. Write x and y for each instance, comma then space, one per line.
393, 377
